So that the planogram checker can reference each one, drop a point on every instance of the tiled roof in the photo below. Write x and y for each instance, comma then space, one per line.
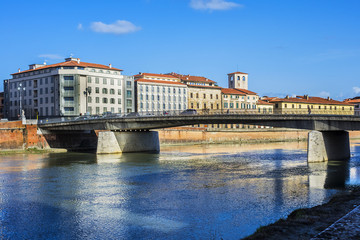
357, 100
190, 78
159, 81
309, 100
70, 64
203, 86
155, 75
260, 102
237, 73
232, 91
248, 92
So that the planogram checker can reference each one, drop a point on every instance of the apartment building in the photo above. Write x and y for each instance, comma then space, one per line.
310, 105
68, 88
238, 99
356, 102
203, 95
160, 93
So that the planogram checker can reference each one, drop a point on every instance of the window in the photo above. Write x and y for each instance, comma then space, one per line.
197, 95
112, 81
68, 109
112, 100
204, 96
128, 84
89, 79
128, 94
104, 91
104, 81
191, 95
97, 90
97, 80
67, 99
118, 82
119, 91
46, 90
89, 99
97, 99
70, 78
119, 100
104, 100
112, 91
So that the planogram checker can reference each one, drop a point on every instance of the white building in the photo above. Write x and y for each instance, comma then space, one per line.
69, 88
160, 92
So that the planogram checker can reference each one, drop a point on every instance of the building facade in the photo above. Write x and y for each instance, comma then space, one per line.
310, 105
69, 88
159, 93
2, 105
203, 94
239, 99
264, 107
356, 103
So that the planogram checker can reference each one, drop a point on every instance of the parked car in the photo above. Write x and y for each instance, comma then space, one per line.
189, 112
133, 114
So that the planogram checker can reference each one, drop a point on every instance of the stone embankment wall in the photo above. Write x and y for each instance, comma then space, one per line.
190, 135
15, 135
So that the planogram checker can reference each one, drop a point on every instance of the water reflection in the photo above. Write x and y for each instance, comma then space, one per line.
185, 192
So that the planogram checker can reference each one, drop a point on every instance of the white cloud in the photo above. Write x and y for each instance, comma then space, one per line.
324, 94
80, 26
213, 4
51, 56
118, 27
356, 90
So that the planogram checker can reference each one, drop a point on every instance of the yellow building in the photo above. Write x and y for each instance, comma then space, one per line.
264, 107
310, 105
203, 94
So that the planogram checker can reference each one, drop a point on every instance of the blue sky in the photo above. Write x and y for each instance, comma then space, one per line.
287, 47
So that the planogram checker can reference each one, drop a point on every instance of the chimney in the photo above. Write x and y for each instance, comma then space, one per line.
328, 98
19, 70
287, 97
78, 60
110, 65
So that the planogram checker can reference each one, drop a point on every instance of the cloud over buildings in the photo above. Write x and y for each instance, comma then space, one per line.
118, 27
356, 90
51, 56
213, 4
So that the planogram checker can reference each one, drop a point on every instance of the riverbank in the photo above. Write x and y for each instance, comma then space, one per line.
307, 223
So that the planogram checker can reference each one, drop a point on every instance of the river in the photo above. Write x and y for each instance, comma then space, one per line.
185, 192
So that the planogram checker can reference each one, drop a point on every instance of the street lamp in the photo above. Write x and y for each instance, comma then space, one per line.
86, 93
20, 89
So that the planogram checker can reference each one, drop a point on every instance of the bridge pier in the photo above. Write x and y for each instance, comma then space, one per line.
328, 145
119, 142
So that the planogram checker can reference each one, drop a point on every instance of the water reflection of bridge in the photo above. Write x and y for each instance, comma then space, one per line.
329, 140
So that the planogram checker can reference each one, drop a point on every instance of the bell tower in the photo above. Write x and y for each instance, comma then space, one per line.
238, 80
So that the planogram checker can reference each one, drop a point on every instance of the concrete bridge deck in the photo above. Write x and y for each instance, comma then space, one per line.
328, 141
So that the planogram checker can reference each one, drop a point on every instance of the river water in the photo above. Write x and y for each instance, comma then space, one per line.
185, 192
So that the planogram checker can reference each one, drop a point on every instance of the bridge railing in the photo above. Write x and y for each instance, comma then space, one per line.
190, 112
